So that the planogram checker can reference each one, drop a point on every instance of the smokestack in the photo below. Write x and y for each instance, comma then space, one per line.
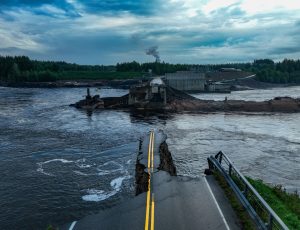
153, 52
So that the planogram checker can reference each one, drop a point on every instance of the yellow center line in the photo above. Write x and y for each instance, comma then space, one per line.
150, 202
152, 160
149, 149
147, 209
149, 186
152, 212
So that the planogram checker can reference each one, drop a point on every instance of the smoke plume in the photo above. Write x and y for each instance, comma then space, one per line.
154, 52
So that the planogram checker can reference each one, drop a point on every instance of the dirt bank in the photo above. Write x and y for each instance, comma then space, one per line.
278, 104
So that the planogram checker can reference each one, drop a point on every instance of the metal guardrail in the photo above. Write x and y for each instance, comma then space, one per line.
262, 214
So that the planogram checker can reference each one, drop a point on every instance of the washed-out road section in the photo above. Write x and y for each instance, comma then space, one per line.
172, 202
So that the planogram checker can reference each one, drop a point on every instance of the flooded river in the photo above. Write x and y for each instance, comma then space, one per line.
59, 164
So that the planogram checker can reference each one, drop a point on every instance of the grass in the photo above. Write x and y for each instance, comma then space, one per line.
245, 220
286, 206
50, 227
97, 75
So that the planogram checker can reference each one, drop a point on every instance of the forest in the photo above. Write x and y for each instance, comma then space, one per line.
23, 69
266, 70
287, 71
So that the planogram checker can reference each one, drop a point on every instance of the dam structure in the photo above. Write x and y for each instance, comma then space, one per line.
188, 81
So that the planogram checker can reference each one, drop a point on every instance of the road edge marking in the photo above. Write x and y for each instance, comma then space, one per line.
218, 207
152, 151
72, 225
148, 204
149, 149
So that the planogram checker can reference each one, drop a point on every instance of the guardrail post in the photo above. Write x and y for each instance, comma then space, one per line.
270, 224
220, 159
246, 191
210, 164
230, 169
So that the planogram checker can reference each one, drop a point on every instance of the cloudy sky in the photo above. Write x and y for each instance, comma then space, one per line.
185, 31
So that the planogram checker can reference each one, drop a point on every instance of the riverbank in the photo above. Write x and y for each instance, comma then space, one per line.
286, 205
278, 104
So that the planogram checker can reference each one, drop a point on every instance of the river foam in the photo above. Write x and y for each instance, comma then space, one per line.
41, 169
97, 195
113, 167
81, 163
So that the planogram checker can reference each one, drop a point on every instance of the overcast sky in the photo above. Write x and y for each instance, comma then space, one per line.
185, 31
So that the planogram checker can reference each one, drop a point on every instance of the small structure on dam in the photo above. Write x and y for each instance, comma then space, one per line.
90, 103
153, 92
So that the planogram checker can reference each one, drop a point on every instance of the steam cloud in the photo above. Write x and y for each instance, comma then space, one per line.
154, 52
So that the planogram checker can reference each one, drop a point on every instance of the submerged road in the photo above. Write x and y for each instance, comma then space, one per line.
171, 202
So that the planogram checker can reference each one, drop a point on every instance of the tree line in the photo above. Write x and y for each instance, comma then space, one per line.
266, 70
287, 71
23, 69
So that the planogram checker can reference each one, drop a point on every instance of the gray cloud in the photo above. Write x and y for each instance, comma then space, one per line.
90, 32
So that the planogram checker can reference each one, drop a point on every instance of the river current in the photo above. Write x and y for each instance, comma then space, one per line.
59, 164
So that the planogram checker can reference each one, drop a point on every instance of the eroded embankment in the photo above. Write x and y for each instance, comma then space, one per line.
166, 160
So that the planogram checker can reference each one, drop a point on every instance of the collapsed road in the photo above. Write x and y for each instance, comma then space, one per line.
164, 200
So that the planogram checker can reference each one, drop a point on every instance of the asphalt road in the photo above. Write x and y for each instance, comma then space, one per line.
170, 203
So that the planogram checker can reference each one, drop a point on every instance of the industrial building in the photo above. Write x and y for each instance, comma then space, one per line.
186, 80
